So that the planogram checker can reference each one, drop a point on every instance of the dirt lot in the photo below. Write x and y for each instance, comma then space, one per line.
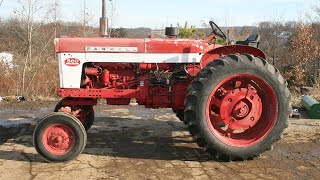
130, 142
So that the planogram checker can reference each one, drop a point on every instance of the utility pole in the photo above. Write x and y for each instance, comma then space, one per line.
104, 20
85, 20
56, 9
56, 12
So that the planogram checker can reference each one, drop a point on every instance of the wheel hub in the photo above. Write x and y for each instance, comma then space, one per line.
241, 109
58, 138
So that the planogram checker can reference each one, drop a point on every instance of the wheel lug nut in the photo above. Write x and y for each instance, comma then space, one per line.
230, 100
251, 97
252, 118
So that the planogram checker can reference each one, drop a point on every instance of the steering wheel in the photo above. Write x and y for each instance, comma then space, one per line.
217, 31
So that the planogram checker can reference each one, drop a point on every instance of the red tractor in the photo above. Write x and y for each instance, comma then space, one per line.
235, 104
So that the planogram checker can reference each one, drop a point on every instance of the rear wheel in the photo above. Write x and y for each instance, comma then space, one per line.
84, 113
59, 137
237, 107
179, 113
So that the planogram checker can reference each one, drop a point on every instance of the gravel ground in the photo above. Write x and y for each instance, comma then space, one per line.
131, 142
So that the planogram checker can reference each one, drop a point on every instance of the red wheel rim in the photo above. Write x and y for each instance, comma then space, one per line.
58, 139
242, 110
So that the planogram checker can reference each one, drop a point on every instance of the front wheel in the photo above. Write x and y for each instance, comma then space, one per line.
59, 137
237, 107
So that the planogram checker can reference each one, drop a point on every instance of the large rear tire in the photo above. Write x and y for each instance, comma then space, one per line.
59, 137
237, 107
179, 113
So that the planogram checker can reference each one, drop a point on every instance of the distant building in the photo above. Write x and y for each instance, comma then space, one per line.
285, 35
7, 59
158, 33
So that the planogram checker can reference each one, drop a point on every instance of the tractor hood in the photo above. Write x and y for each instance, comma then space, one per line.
123, 45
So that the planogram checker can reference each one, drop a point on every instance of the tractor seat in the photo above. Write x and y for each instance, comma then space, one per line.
252, 40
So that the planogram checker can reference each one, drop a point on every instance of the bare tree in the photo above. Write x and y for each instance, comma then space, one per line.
112, 13
1, 1
85, 19
269, 41
305, 50
27, 13
56, 16
272, 40
317, 8
29, 10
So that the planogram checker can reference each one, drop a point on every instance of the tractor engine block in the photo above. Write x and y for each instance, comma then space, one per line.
161, 85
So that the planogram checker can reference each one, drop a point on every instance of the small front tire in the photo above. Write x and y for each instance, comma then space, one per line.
59, 137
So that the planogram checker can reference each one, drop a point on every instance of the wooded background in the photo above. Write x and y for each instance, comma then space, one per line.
35, 74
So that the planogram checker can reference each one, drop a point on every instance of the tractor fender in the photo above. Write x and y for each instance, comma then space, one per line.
216, 53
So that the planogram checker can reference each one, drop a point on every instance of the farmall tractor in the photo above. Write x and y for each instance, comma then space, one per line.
234, 103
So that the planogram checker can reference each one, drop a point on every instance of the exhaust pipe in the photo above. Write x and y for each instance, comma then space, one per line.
104, 21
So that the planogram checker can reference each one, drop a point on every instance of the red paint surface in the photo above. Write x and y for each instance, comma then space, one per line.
219, 51
175, 46
58, 139
241, 110
120, 82
76, 45
150, 96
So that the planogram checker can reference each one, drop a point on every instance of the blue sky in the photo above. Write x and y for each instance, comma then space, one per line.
161, 13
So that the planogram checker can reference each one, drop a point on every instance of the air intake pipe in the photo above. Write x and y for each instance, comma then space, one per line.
104, 21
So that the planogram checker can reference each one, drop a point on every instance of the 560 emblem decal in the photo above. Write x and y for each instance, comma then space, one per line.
72, 62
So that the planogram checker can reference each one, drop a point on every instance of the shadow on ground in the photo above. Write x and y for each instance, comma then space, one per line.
136, 133
8, 133
163, 140
111, 136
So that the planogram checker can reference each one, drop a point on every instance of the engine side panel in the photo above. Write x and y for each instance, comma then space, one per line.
70, 69
144, 57
70, 72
